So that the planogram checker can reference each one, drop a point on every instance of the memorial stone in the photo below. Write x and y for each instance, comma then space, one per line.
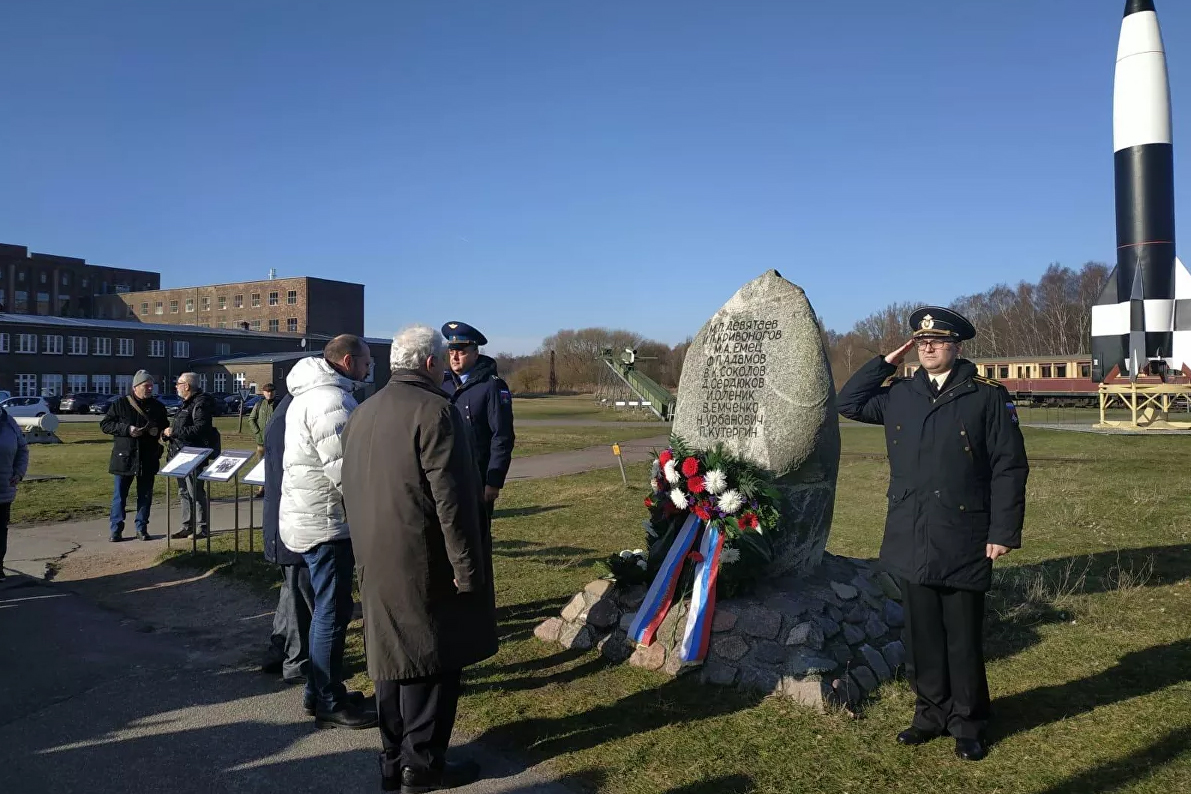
756, 378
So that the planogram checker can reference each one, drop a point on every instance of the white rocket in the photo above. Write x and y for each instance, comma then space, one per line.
1144, 312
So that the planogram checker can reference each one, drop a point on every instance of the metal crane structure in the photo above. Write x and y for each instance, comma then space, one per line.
619, 377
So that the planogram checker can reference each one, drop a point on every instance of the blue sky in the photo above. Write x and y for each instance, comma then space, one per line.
530, 165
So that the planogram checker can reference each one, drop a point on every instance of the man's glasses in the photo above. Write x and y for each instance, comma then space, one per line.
927, 344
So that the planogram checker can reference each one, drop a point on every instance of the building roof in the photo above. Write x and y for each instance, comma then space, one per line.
84, 324
255, 358
252, 283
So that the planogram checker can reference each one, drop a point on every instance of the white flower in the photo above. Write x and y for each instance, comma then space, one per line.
655, 469
672, 475
678, 498
626, 554
641, 564
729, 556
730, 501
638, 552
716, 481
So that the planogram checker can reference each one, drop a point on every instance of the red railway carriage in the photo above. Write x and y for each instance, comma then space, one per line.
1045, 380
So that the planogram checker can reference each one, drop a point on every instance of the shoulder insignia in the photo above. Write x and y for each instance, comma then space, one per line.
986, 381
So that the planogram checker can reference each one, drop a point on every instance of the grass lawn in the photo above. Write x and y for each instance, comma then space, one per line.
1088, 638
86, 492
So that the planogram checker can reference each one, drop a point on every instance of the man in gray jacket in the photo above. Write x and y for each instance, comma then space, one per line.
14, 461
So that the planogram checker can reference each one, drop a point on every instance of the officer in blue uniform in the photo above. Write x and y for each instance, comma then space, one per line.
957, 494
485, 402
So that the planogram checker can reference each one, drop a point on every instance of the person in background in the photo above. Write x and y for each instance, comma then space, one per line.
14, 462
258, 420
311, 518
410, 486
193, 426
485, 402
136, 422
289, 643
957, 500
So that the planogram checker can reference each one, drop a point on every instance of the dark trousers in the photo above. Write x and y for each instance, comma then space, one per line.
944, 639
290, 641
144, 501
331, 566
416, 717
5, 513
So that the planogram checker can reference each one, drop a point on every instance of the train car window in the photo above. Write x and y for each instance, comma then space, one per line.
1060, 370
988, 372
1004, 372
1021, 372
1085, 370
1046, 370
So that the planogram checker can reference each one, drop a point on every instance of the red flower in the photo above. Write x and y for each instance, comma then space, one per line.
648, 502
665, 458
694, 556
748, 521
700, 509
690, 467
696, 485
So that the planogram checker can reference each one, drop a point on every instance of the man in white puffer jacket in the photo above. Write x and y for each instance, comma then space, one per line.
312, 522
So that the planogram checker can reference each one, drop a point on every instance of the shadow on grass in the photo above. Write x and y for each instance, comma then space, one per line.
727, 784
674, 702
522, 512
1115, 775
517, 621
559, 556
1139, 673
1027, 597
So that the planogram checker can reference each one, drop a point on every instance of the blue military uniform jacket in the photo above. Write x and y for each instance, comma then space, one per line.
957, 471
487, 405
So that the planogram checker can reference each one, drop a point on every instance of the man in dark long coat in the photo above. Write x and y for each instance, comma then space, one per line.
957, 495
424, 559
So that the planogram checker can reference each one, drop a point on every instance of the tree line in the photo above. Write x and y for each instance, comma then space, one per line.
1050, 317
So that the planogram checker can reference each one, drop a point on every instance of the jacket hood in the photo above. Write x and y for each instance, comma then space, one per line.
313, 372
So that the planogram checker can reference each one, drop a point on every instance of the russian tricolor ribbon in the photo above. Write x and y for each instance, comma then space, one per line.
660, 595
697, 634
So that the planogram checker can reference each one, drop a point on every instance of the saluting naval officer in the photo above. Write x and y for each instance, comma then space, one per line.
485, 402
957, 493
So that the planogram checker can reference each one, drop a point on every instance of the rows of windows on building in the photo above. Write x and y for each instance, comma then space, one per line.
1026, 371
205, 304
58, 345
40, 295
60, 385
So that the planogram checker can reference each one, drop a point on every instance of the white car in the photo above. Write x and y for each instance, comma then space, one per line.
26, 406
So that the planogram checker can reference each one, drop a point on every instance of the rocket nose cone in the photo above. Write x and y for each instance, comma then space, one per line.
1137, 6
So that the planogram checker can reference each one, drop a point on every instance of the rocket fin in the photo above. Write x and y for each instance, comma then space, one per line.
1108, 294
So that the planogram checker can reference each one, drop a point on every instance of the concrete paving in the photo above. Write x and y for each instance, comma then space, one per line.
94, 703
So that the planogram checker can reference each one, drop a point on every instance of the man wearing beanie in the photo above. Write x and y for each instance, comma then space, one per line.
136, 421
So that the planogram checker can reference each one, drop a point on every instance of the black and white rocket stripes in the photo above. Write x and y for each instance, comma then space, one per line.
1134, 320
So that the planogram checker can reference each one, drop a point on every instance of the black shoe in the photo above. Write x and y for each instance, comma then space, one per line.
203, 533
450, 776
349, 716
273, 666
354, 700
971, 749
914, 735
114, 538
182, 533
143, 536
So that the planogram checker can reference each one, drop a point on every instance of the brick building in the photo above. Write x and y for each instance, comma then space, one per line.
256, 370
62, 286
67, 355
314, 307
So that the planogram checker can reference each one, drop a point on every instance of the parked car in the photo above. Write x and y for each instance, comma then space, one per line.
101, 405
54, 401
79, 403
4, 395
251, 402
172, 403
26, 406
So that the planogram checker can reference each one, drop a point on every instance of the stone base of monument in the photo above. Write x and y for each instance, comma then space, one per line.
827, 637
